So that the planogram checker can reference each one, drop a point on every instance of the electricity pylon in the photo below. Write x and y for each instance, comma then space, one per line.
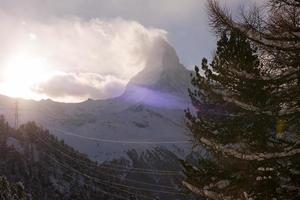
16, 114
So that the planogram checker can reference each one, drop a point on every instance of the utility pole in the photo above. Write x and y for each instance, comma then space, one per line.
16, 114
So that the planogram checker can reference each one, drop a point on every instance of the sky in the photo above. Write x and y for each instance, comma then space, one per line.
71, 50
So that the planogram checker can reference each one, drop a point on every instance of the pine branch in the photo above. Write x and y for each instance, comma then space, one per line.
204, 193
249, 157
221, 20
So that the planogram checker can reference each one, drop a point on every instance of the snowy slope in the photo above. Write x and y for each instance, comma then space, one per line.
149, 113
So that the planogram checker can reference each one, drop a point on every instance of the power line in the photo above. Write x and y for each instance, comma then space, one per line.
142, 189
103, 191
145, 171
120, 141
113, 141
137, 170
141, 170
96, 180
16, 114
118, 184
121, 168
85, 164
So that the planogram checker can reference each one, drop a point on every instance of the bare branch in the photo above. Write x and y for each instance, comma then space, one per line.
204, 193
221, 20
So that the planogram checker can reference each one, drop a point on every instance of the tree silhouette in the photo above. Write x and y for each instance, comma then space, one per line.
246, 107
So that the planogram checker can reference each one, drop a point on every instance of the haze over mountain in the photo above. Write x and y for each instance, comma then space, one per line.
141, 129
148, 114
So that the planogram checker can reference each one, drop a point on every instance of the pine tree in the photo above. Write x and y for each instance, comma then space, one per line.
9, 191
2, 133
246, 111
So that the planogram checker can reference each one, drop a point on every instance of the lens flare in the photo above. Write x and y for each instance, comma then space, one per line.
21, 73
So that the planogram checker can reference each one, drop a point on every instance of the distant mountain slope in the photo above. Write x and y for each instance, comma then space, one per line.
143, 128
26, 158
50, 169
150, 110
162, 84
163, 71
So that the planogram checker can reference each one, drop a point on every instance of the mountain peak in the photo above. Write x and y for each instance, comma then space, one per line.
163, 82
163, 70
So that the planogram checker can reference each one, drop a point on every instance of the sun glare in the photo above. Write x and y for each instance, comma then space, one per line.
21, 73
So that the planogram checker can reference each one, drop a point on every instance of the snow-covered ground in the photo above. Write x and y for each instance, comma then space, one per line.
149, 114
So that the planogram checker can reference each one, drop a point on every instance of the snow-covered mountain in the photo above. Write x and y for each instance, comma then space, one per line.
50, 169
148, 115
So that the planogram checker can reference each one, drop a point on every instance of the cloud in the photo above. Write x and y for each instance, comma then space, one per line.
185, 20
79, 87
84, 58
98, 40
111, 47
